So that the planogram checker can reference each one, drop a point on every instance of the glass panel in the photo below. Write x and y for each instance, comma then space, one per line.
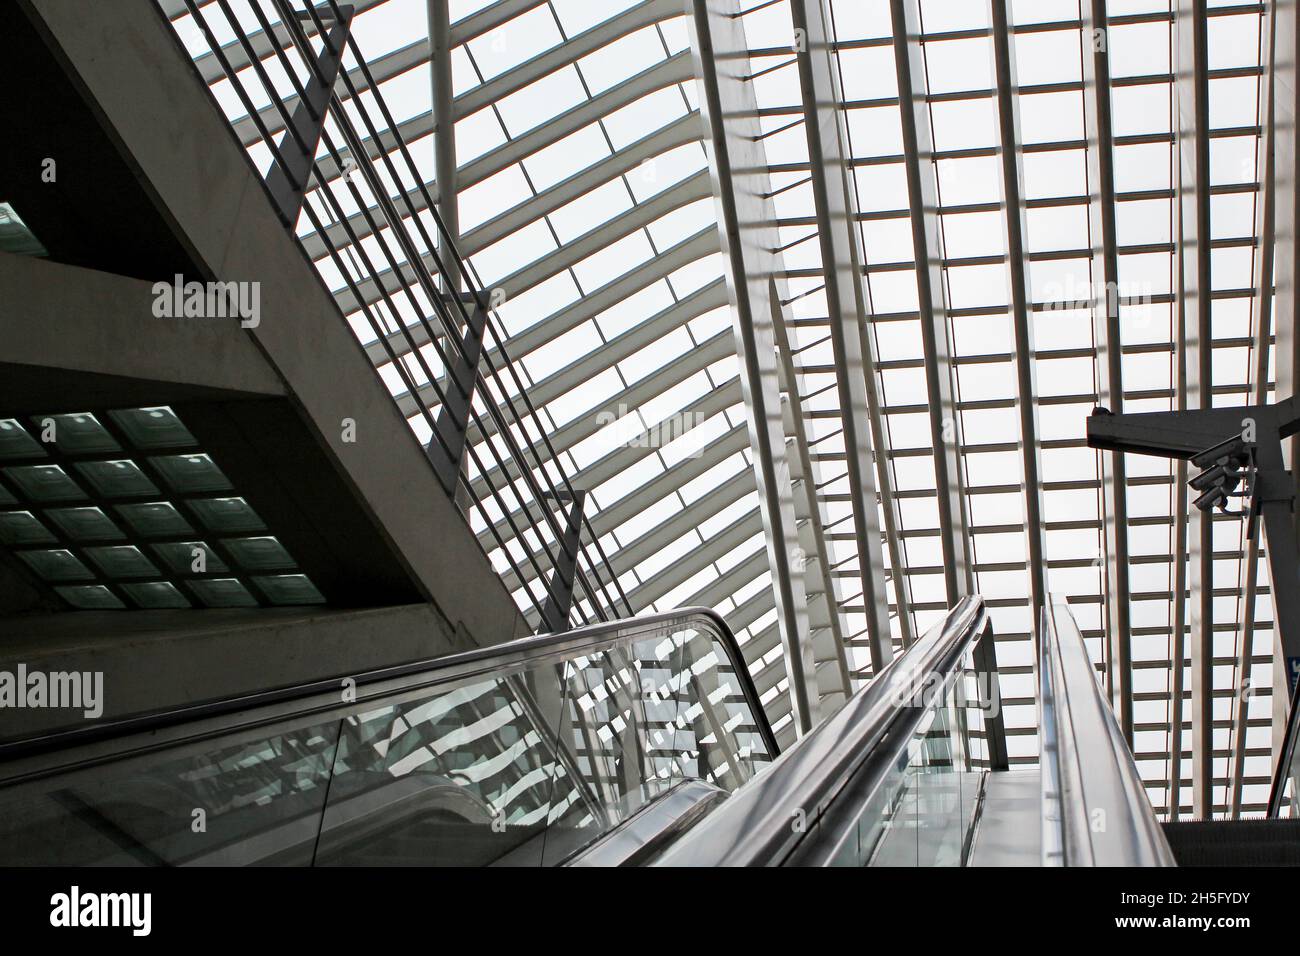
153, 427
191, 474
518, 764
45, 483
260, 799
227, 515
122, 562
258, 554
154, 519
222, 592
289, 589
117, 479
940, 828
15, 237
77, 434
155, 594
22, 527
85, 524
465, 775
90, 597
56, 565
15, 442
923, 813
190, 557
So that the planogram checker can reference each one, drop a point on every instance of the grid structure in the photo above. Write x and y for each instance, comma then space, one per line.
1011, 169
122, 509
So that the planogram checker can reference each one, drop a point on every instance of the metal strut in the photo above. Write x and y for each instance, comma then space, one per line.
288, 182
555, 616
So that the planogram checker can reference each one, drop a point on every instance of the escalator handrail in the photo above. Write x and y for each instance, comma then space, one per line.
756, 826
1091, 783
264, 707
1283, 772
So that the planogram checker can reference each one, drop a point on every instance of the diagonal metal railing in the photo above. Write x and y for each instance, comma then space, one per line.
455, 368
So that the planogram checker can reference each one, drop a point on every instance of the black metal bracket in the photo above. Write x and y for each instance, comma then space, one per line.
447, 448
1198, 434
555, 616
288, 183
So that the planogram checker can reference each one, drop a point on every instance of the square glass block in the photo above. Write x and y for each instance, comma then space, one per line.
289, 589
259, 554
221, 592
180, 557
23, 527
45, 483
79, 433
90, 597
227, 515
151, 428
155, 594
124, 561
56, 565
155, 519
117, 479
85, 524
191, 474
15, 442
6, 498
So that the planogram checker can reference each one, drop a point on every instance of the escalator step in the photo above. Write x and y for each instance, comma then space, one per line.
1235, 842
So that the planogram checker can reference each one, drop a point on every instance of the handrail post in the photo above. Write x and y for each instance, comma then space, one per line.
990, 691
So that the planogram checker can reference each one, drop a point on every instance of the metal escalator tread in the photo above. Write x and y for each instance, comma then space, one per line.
1235, 842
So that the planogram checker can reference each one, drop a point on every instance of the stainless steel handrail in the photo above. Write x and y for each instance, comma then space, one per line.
756, 825
39, 755
1095, 807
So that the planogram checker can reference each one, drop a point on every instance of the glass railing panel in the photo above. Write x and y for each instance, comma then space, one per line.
643, 717
721, 743
521, 757
233, 802
466, 775
924, 811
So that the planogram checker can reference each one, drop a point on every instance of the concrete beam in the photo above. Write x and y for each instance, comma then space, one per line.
837, 232
747, 229
159, 660
923, 203
1016, 229
181, 146
99, 329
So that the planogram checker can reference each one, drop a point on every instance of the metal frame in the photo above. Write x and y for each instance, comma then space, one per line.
1192, 149
837, 233
1261, 309
819, 64
1013, 175
1109, 346
717, 42
923, 199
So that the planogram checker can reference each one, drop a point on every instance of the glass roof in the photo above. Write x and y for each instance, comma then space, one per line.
584, 195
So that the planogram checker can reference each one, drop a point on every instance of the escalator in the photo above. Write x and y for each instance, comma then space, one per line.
528, 753
634, 742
